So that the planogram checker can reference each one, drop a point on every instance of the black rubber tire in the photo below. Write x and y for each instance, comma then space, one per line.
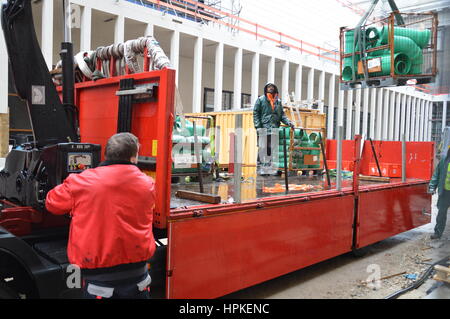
7, 293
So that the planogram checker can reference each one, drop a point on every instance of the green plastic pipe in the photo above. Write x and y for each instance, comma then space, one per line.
420, 37
402, 64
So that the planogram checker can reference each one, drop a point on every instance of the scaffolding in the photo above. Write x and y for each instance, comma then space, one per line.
196, 10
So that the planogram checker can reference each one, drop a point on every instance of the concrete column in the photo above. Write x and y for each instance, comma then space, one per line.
149, 29
364, 131
421, 120
197, 76
86, 29
298, 83
412, 134
358, 112
175, 52
47, 32
378, 131
330, 115
408, 118
430, 117
385, 134
416, 119
373, 112
391, 117
340, 118
403, 117
218, 78
444, 115
310, 92
398, 105
255, 77
237, 100
348, 125
285, 82
119, 29
271, 70
321, 90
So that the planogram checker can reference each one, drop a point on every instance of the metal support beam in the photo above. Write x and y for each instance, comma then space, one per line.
238, 147
331, 105
358, 112
340, 136
341, 99
348, 124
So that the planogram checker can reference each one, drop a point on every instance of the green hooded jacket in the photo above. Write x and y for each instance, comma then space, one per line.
264, 116
438, 181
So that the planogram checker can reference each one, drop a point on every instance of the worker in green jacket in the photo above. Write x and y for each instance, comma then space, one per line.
268, 113
441, 182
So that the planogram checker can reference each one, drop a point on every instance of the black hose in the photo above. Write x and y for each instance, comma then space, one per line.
419, 282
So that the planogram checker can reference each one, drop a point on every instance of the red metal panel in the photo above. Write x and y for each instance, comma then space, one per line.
152, 123
419, 157
215, 255
348, 150
388, 212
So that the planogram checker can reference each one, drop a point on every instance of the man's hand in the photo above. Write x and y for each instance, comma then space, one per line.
291, 125
431, 191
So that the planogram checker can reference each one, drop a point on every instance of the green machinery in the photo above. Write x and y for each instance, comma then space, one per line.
184, 147
303, 149
389, 49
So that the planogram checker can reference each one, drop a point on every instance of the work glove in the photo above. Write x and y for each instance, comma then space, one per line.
291, 125
431, 190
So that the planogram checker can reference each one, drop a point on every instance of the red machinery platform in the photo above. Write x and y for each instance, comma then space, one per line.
217, 249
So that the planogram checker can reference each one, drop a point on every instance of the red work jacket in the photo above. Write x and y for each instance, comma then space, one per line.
112, 213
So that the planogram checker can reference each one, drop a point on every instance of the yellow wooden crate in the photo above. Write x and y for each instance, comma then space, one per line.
226, 122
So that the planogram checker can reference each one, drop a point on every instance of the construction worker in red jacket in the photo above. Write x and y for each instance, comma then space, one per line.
111, 237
